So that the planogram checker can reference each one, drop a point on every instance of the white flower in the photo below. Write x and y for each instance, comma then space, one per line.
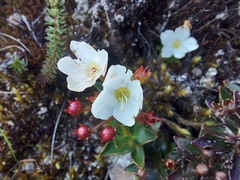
177, 43
86, 69
121, 97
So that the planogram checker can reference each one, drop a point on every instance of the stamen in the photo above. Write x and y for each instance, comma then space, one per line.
122, 94
177, 44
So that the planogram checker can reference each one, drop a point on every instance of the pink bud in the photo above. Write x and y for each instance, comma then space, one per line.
74, 108
107, 134
83, 132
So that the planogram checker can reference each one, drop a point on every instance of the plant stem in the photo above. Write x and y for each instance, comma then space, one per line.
9, 144
100, 124
55, 130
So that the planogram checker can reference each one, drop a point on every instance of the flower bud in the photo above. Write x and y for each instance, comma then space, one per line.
170, 164
74, 108
141, 74
147, 117
202, 169
220, 175
83, 132
107, 134
208, 152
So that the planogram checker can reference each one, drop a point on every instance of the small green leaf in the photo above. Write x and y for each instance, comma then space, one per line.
155, 127
220, 130
223, 94
144, 135
231, 86
110, 149
232, 122
186, 144
216, 130
138, 156
98, 86
131, 168
122, 140
162, 143
124, 130
208, 140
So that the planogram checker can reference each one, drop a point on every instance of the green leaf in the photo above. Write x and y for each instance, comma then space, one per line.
208, 140
162, 144
144, 135
231, 86
216, 130
124, 130
155, 127
223, 94
98, 86
138, 156
186, 144
131, 168
137, 126
110, 149
232, 123
122, 140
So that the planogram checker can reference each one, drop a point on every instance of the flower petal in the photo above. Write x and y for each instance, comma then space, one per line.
126, 117
114, 74
167, 51
167, 37
78, 86
104, 105
103, 60
190, 44
68, 66
179, 53
136, 92
182, 32
83, 51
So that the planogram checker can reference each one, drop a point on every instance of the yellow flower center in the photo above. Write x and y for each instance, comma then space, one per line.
177, 44
92, 69
122, 94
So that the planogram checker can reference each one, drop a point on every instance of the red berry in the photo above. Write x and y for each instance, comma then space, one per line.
74, 108
107, 134
83, 132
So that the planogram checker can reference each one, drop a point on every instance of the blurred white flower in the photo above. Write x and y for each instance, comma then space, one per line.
86, 69
178, 42
121, 97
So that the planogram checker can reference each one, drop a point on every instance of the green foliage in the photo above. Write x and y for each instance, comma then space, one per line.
19, 65
217, 145
56, 31
132, 139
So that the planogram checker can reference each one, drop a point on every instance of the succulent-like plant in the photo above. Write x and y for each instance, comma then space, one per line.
19, 65
56, 29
